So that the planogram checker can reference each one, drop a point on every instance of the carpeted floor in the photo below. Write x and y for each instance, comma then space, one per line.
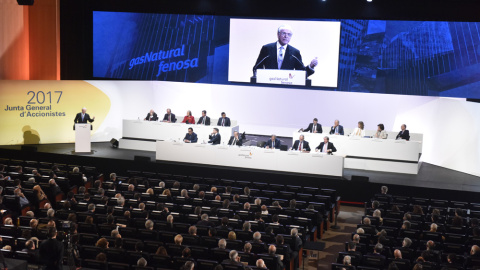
348, 219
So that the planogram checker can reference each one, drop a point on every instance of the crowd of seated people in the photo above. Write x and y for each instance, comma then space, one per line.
404, 233
163, 222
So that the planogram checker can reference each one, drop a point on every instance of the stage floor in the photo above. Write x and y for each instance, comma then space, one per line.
429, 176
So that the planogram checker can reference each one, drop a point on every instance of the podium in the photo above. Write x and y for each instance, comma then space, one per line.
82, 138
281, 76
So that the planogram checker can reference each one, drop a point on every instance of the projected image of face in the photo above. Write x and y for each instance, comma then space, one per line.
284, 34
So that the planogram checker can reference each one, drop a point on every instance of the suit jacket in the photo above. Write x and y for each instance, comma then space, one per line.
227, 122
78, 119
330, 147
291, 60
310, 128
172, 117
340, 130
405, 135
190, 119
153, 118
192, 138
278, 143
214, 139
305, 145
238, 142
228, 261
51, 254
205, 223
207, 121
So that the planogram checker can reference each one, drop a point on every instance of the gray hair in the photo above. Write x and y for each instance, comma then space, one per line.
91, 207
204, 217
222, 243
294, 232
284, 26
161, 184
50, 213
148, 224
233, 255
257, 236
347, 260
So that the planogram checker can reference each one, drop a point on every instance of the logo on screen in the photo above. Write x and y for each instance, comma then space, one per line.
290, 76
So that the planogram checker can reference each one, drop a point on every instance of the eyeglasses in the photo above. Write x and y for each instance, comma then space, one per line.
285, 34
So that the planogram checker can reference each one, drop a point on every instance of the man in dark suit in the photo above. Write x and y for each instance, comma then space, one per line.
51, 251
273, 143
190, 137
204, 120
314, 127
281, 55
83, 117
169, 117
337, 129
235, 139
301, 145
297, 247
224, 121
151, 116
234, 259
215, 137
404, 134
204, 221
326, 146
271, 251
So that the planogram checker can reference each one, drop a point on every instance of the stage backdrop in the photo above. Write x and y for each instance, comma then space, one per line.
450, 125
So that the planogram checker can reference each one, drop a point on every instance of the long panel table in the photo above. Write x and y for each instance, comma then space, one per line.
142, 135
251, 158
372, 154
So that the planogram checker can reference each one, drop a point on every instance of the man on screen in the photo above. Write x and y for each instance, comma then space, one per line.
301, 145
273, 143
83, 117
215, 137
235, 139
326, 146
224, 121
190, 137
204, 120
151, 116
169, 117
281, 55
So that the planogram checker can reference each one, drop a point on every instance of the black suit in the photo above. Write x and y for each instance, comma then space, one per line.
267, 59
310, 128
172, 118
237, 142
305, 145
215, 139
329, 147
405, 135
207, 121
51, 254
226, 122
228, 261
153, 117
79, 120
278, 143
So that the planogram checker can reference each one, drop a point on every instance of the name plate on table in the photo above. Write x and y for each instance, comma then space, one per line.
245, 149
178, 143
377, 140
200, 145
355, 138
223, 147
318, 155
269, 151
293, 153
401, 141
281, 76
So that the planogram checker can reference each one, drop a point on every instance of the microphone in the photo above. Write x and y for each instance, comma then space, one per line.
255, 67
299, 61
243, 136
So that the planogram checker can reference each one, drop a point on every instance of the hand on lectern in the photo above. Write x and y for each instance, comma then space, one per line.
314, 62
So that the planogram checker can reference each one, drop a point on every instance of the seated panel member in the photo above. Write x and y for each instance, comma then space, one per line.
83, 117
190, 137
235, 139
215, 137
359, 131
224, 121
380, 134
204, 119
189, 119
301, 145
404, 134
326, 146
336, 129
169, 117
273, 143
282, 55
314, 127
151, 116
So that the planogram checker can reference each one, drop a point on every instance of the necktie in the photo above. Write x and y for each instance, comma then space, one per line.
336, 130
223, 122
169, 118
300, 147
234, 140
83, 115
280, 57
273, 144
314, 127
203, 122
325, 148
